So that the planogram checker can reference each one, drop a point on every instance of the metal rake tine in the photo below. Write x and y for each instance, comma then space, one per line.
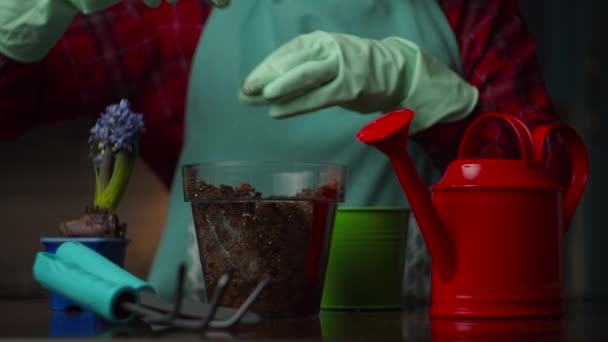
176, 322
203, 322
174, 313
243, 308
197, 324
140, 310
222, 283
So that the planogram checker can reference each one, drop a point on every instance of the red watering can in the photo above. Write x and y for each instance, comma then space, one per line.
494, 227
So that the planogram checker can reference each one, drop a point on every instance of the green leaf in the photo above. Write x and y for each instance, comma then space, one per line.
97, 187
105, 169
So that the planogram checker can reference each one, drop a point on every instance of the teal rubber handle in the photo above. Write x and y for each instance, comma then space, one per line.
88, 259
100, 295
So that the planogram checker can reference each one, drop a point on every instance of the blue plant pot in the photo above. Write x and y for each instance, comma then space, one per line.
111, 248
75, 324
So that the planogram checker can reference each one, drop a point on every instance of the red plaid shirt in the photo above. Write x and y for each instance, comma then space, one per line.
144, 54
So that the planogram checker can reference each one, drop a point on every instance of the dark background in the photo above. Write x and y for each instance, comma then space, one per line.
573, 52
45, 177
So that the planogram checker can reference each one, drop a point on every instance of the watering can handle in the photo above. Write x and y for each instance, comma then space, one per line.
532, 149
476, 128
578, 158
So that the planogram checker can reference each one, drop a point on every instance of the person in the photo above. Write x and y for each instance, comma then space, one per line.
321, 70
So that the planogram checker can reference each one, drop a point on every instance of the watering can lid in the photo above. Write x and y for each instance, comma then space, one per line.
494, 173
525, 172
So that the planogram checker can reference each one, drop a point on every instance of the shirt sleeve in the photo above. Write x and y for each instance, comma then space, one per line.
499, 58
127, 51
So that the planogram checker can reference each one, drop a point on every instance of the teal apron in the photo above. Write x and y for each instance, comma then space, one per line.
218, 127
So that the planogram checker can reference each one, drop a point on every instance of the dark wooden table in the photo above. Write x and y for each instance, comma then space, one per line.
584, 321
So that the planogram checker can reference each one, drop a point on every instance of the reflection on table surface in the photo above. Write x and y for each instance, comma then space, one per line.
583, 321
327, 325
88, 324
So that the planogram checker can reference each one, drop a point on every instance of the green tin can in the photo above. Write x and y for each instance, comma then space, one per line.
366, 259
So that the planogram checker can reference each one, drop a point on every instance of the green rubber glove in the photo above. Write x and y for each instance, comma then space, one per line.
30, 28
321, 69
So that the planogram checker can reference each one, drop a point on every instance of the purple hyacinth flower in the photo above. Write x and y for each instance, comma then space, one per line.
117, 129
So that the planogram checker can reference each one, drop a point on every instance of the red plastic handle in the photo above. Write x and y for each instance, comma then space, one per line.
476, 128
578, 157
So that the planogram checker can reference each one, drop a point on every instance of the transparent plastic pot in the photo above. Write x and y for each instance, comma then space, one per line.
255, 219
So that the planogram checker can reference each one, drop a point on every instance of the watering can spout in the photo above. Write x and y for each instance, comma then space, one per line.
389, 134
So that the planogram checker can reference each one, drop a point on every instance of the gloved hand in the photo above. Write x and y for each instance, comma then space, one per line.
320, 69
30, 28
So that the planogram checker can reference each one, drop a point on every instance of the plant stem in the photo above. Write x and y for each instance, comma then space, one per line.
112, 194
97, 186
105, 170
